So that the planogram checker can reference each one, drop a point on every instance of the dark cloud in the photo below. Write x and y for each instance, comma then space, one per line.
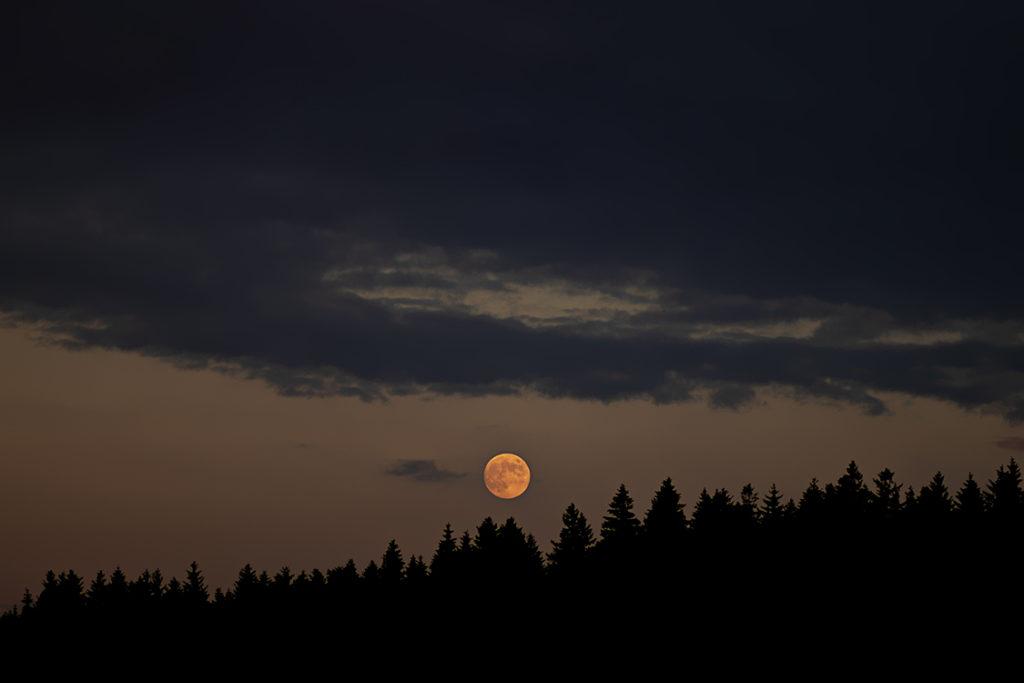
1011, 443
733, 397
422, 470
335, 200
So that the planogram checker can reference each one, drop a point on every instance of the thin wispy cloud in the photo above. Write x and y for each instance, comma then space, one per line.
1011, 443
422, 470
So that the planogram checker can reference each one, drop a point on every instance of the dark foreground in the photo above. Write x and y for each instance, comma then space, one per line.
847, 564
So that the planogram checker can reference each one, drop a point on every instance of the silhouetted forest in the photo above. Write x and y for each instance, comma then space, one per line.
867, 549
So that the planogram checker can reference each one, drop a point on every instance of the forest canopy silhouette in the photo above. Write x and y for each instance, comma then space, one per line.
852, 537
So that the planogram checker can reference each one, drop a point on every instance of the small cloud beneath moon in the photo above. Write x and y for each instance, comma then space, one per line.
422, 470
1011, 443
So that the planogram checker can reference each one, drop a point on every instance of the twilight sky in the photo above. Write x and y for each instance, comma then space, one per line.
275, 281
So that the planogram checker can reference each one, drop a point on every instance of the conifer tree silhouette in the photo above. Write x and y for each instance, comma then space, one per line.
49, 599
663, 531
465, 544
933, 502
62, 593
117, 591
301, 588
486, 538
156, 585
970, 503
443, 563
848, 499
371, 575
620, 527
533, 559
747, 509
620, 536
247, 584
97, 595
902, 544
317, 581
281, 585
416, 572
515, 556
342, 581
664, 522
702, 513
483, 561
909, 507
715, 516
172, 596
811, 502
139, 589
885, 500
569, 554
194, 592
392, 566
772, 511
1004, 496
27, 603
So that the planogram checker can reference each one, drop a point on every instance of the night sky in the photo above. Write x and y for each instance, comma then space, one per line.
277, 279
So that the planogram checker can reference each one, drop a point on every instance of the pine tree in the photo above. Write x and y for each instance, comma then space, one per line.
486, 536
442, 564
194, 592
665, 523
49, 596
970, 503
392, 566
246, 585
909, 508
27, 604
533, 558
482, 562
516, 556
139, 589
620, 526
465, 543
716, 515
156, 585
748, 507
342, 580
97, 595
371, 575
172, 596
702, 513
1004, 496
811, 502
575, 541
849, 498
416, 572
281, 584
117, 591
933, 502
772, 510
886, 498
70, 588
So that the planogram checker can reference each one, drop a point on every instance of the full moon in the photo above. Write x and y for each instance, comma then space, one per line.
506, 475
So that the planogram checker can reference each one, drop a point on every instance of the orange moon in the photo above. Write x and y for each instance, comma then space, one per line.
506, 475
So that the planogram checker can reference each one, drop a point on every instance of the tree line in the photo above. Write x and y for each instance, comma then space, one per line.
871, 533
